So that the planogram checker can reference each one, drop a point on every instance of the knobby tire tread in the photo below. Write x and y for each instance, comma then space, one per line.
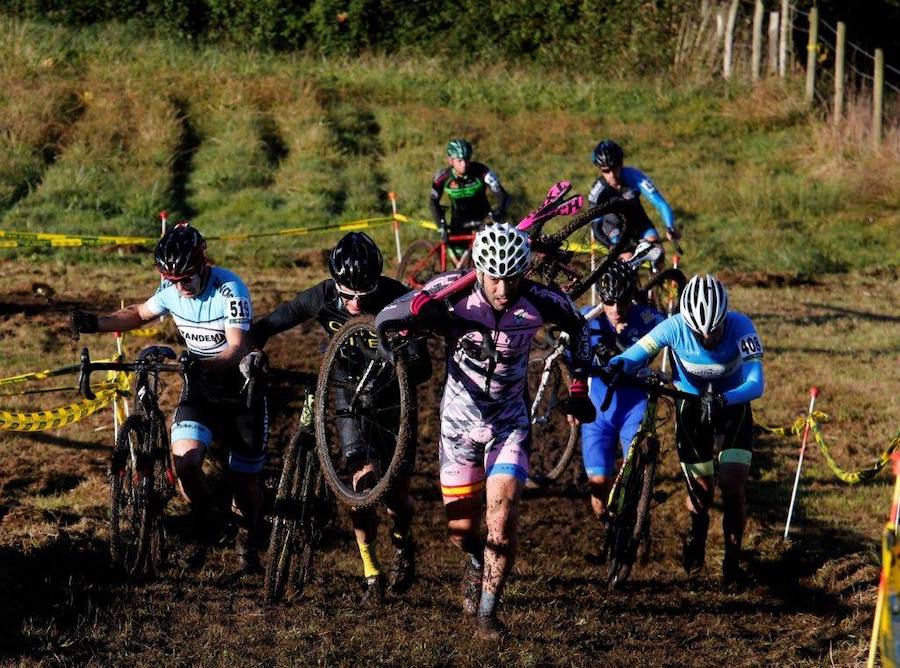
371, 496
285, 521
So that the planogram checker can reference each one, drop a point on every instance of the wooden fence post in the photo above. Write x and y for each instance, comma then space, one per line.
840, 45
773, 43
783, 41
756, 52
811, 53
877, 97
729, 39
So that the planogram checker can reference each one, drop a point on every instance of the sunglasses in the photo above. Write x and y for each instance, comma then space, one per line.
350, 295
621, 304
607, 170
187, 278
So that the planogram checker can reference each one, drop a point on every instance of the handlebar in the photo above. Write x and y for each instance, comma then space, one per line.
149, 362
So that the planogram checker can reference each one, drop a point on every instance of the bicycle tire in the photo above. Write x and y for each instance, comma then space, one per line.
312, 489
553, 439
386, 437
627, 527
131, 482
284, 522
418, 264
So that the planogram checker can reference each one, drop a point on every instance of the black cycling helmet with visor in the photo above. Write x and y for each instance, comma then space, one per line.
181, 252
356, 263
608, 155
617, 284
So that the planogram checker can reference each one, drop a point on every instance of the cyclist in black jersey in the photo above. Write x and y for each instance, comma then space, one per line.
356, 288
466, 184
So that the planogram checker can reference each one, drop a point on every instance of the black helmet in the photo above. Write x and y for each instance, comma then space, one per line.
608, 154
180, 252
617, 283
356, 262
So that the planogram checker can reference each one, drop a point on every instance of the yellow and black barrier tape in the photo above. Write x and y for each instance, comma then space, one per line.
13, 239
56, 417
41, 375
849, 477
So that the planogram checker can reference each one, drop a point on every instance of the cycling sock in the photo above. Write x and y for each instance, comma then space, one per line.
474, 549
370, 561
488, 605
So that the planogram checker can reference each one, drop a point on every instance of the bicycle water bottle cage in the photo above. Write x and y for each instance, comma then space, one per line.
157, 352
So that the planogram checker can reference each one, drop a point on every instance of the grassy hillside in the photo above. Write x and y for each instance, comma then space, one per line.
101, 128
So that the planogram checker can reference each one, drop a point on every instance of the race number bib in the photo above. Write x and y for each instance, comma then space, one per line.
238, 312
750, 347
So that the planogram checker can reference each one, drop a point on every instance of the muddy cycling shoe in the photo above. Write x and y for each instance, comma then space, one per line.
733, 576
403, 569
470, 587
247, 554
488, 627
693, 554
373, 591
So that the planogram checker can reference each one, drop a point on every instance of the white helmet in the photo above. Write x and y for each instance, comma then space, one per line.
703, 303
501, 250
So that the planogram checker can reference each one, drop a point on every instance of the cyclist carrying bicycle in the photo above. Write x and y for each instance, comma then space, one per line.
620, 324
466, 184
717, 356
485, 421
616, 179
357, 287
211, 307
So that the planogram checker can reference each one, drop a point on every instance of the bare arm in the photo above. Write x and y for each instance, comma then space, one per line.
238, 347
130, 317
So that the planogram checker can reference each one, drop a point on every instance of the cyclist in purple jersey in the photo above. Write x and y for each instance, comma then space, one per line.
211, 307
357, 287
466, 184
485, 421
718, 356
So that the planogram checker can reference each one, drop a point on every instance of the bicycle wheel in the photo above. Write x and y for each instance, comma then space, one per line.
312, 519
131, 484
364, 415
629, 510
162, 491
553, 440
421, 260
286, 518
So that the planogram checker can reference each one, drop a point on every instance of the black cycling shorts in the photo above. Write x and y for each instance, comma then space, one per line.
697, 442
242, 431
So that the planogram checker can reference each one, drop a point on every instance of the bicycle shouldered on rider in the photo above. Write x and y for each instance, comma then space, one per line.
485, 424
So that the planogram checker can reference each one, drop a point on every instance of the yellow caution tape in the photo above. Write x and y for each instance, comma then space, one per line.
41, 375
145, 332
849, 477
55, 417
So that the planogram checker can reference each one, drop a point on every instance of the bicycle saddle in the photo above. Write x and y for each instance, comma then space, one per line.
157, 352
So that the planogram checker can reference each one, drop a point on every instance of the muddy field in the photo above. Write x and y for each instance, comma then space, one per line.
810, 601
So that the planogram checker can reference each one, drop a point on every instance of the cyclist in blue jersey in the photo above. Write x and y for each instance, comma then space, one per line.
211, 307
619, 325
616, 179
717, 356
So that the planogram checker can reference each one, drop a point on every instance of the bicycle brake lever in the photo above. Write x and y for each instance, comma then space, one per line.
84, 375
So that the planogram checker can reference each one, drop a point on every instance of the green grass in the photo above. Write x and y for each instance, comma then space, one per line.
103, 127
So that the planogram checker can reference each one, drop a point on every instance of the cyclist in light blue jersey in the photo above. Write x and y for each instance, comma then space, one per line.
616, 179
717, 356
212, 309
620, 324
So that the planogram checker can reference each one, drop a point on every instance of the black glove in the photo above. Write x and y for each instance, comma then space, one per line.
191, 364
603, 353
579, 407
711, 405
431, 313
82, 322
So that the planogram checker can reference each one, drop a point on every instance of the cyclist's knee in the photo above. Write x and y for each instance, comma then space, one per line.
188, 455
